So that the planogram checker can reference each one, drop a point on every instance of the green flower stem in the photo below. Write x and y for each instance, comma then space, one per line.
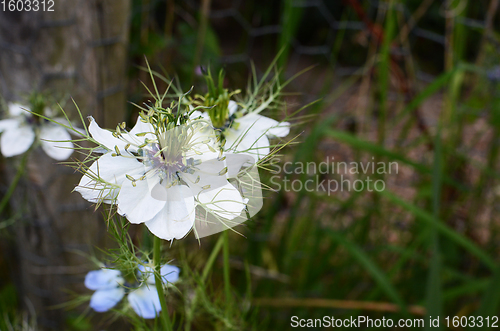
204, 276
15, 181
227, 283
211, 258
159, 284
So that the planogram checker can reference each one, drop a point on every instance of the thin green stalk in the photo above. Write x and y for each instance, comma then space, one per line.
15, 181
384, 70
202, 29
290, 20
211, 258
159, 284
204, 275
434, 286
227, 284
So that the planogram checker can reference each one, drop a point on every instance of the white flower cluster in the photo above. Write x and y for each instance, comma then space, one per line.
172, 173
21, 128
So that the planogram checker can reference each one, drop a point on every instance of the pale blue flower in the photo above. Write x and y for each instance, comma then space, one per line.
109, 289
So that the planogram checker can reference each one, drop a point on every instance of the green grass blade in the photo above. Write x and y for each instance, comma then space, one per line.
364, 260
459, 239
434, 287
490, 304
375, 149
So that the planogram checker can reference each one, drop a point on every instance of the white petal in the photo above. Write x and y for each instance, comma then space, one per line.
104, 300
112, 170
209, 174
250, 141
141, 127
197, 114
236, 161
225, 201
176, 219
103, 279
281, 130
104, 137
136, 203
17, 140
10, 123
145, 301
55, 141
233, 107
259, 148
17, 109
265, 124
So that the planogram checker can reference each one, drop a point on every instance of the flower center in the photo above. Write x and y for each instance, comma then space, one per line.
178, 150
166, 165
228, 123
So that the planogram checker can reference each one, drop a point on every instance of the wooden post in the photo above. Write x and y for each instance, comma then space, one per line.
79, 50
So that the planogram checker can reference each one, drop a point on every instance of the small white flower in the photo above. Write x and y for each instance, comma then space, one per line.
248, 132
109, 287
158, 177
20, 130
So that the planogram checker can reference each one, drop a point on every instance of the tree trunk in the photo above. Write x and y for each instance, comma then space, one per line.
78, 50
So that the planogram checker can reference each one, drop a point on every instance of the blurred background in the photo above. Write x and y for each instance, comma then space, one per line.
411, 82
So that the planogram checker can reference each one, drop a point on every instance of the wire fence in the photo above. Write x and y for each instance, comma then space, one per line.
324, 23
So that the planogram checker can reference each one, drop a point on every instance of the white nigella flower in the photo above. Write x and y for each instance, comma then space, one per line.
158, 174
110, 287
248, 132
19, 132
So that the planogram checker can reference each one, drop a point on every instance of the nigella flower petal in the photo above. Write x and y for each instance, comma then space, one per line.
104, 300
232, 107
145, 301
108, 169
9, 123
196, 114
259, 148
265, 124
103, 279
225, 201
237, 162
208, 174
105, 137
281, 130
169, 273
16, 140
137, 203
176, 219
56, 142
141, 127
16, 109
252, 142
